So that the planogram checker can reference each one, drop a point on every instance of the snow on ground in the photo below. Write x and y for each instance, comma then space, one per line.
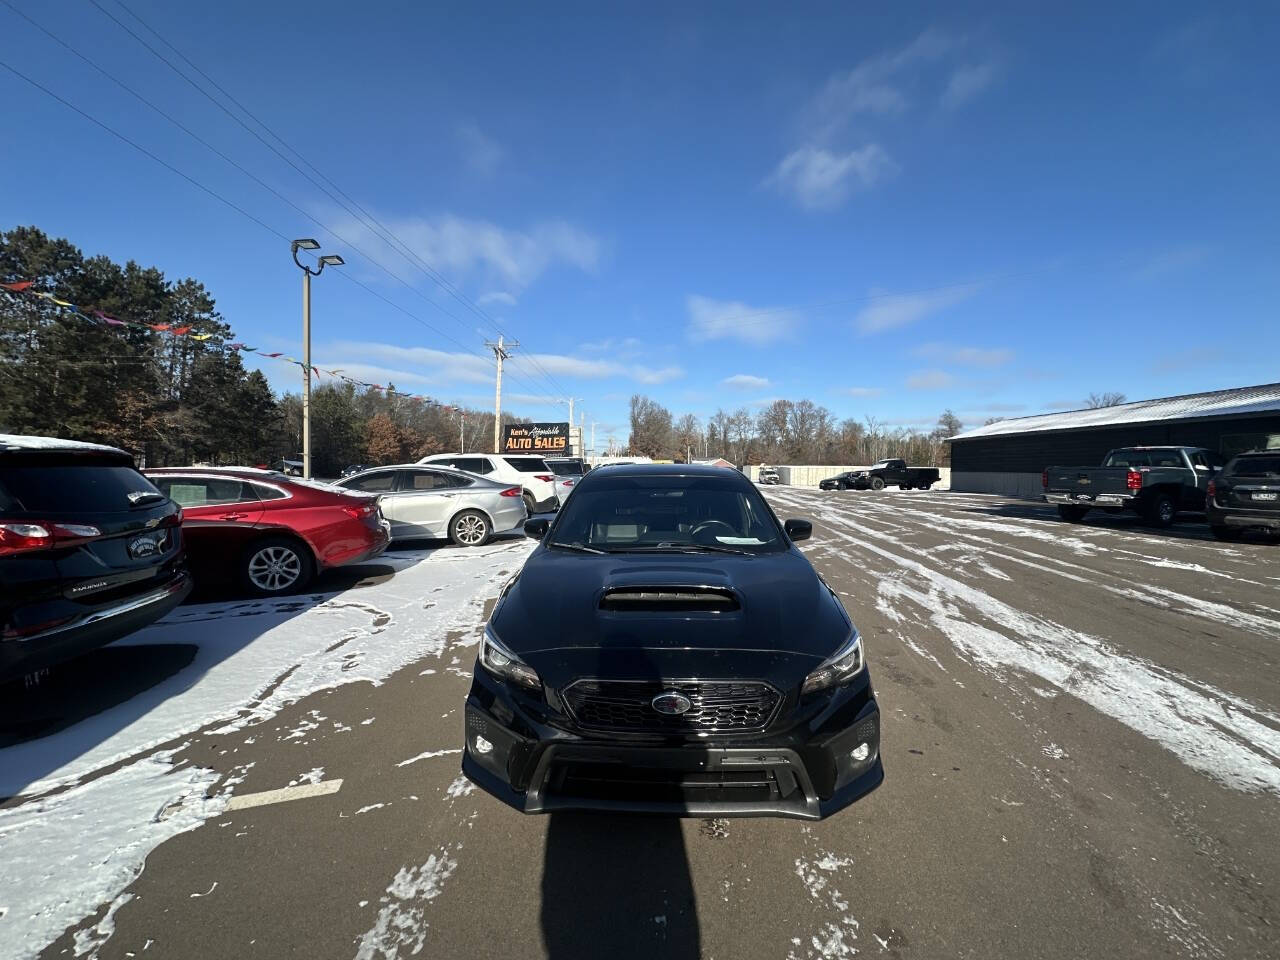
1231, 740
98, 797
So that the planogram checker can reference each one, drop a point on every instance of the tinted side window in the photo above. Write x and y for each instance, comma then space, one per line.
267, 493
479, 465
204, 491
528, 464
431, 480
380, 482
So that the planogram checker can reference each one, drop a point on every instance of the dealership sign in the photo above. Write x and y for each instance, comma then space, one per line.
545, 438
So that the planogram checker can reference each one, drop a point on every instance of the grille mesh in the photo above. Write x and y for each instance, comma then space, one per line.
718, 705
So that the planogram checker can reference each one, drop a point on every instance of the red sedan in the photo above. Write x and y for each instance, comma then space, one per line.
272, 533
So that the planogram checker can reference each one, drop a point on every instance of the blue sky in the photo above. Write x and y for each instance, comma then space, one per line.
996, 211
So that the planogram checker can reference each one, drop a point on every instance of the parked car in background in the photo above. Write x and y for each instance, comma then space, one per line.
667, 649
270, 533
355, 468
90, 551
769, 476
568, 471
895, 472
1154, 482
841, 481
531, 472
1245, 495
438, 502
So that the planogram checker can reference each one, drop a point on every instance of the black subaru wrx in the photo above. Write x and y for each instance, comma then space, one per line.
667, 649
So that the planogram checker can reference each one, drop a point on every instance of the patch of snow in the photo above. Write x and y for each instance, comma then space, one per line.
401, 923
91, 939
372, 806
314, 775
460, 787
427, 756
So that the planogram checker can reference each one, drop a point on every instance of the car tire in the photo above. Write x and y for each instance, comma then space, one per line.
470, 528
276, 566
904, 486
1072, 514
877, 483
1227, 534
1161, 511
530, 505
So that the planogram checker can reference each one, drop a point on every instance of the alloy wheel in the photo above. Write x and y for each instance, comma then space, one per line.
273, 569
470, 530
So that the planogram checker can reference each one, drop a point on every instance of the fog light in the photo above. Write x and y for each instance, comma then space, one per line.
860, 752
483, 746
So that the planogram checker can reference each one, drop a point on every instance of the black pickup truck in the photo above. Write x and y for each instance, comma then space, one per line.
1155, 482
884, 473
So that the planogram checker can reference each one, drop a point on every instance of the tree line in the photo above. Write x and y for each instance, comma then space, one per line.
174, 400
786, 431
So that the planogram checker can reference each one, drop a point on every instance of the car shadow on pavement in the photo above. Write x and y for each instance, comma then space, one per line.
83, 702
618, 887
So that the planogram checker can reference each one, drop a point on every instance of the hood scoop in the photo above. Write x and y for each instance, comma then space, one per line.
673, 599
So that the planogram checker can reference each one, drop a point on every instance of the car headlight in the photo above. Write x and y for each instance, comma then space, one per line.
841, 667
504, 664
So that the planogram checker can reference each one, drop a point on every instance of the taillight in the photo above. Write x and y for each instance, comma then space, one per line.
1133, 480
1213, 489
567, 483
511, 492
362, 511
1044, 479
17, 537
545, 478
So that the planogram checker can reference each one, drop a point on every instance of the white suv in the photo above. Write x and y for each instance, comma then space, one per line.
529, 471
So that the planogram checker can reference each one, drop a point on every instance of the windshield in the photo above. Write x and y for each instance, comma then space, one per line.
566, 468
666, 512
1254, 467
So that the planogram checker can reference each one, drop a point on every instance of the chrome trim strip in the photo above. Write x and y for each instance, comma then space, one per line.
126, 606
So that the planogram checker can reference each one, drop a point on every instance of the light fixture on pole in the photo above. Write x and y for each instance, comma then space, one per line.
329, 260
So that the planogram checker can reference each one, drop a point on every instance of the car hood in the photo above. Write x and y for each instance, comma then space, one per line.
787, 622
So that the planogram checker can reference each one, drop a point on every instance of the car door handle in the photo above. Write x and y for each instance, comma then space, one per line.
233, 516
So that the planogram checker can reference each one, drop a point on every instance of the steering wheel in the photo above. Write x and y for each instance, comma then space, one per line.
712, 525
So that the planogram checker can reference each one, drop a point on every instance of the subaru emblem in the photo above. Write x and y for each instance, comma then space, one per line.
671, 703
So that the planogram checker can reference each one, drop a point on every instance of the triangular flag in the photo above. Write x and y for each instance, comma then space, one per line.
19, 286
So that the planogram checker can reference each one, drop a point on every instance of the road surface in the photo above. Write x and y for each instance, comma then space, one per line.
1081, 742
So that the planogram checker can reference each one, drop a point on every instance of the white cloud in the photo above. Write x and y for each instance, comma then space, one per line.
619, 346
967, 82
745, 381
930, 380
861, 391
654, 375
965, 356
482, 154
734, 320
496, 296
476, 249
821, 180
898, 310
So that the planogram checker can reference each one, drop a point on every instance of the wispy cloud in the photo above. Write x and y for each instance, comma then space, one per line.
622, 347
734, 320
964, 356
476, 249
654, 374
819, 179
899, 310
496, 296
746, 381
481, 154
861, 391
967, 81
930, 380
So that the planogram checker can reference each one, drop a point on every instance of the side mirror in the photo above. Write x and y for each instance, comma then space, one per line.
536, 528
797, 529
1201, 468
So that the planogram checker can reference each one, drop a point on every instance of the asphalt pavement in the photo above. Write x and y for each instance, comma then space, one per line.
1081, 739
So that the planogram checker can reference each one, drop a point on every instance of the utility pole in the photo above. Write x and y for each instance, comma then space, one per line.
499, 354
462, 423
593, 437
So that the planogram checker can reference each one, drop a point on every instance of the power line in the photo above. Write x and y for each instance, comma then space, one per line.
379, 229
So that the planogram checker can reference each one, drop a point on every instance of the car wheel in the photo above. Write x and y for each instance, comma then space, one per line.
904, 486
530, 505
877, 483
1162, 511
1229, 534
470, 529
276, 566
1071, 514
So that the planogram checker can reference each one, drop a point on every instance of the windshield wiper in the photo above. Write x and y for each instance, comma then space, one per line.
580, 547
690, 548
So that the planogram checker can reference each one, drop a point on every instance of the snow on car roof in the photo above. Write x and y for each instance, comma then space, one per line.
14, 441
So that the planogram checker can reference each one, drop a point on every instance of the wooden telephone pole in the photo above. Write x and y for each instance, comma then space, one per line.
500, 353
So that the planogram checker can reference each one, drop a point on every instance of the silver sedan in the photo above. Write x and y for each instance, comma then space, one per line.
427, 501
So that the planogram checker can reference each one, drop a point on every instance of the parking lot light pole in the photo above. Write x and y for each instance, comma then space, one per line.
329, 260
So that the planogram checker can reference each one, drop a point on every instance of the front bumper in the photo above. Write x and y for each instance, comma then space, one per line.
807, 773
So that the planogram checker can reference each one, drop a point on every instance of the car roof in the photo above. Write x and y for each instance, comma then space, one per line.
242, 473
1258, 453
667, 470
17, 441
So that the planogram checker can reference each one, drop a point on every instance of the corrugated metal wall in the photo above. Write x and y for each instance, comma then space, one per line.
1032, 452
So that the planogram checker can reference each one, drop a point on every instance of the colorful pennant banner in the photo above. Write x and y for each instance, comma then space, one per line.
97, 317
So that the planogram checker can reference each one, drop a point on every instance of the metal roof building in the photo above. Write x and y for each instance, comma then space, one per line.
1008, 456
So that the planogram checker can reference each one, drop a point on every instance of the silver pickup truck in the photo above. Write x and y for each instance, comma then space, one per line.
1155, 482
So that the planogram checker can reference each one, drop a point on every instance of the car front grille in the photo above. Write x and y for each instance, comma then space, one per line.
716, 705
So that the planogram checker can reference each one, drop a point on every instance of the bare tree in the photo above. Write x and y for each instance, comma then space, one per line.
688, 436
1111, 398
